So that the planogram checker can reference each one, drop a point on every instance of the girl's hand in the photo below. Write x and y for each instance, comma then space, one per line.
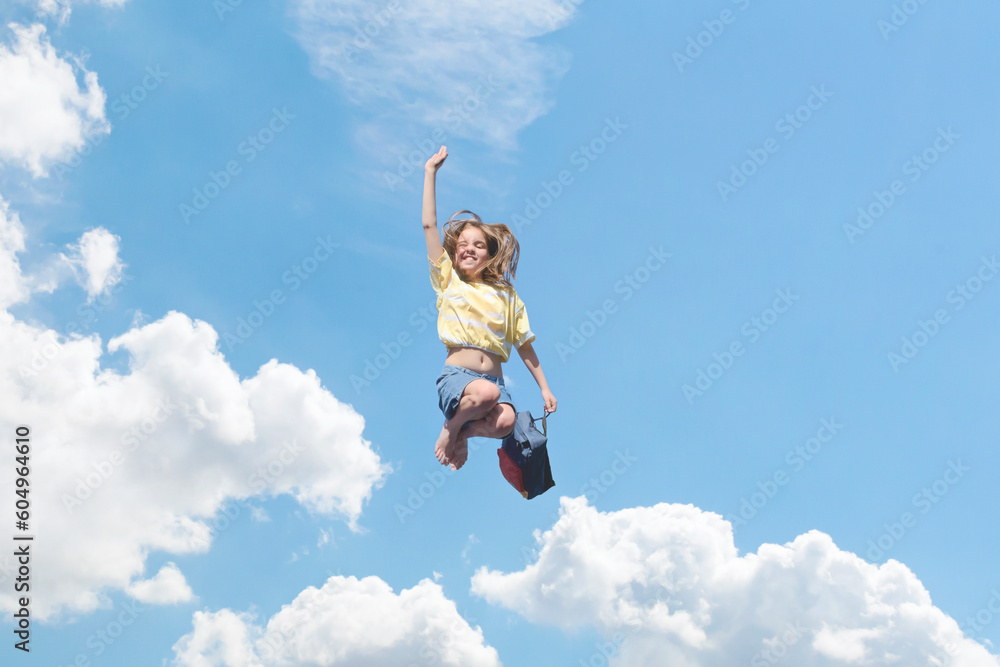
550, 401
436, 160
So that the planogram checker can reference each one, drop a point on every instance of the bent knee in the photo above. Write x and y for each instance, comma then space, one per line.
482, 392
506, 418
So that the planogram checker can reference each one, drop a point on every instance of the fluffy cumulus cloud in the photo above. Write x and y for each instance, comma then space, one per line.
666, 586
124, 464
168, 587
468, 69
347, 623
94, 259
45, 113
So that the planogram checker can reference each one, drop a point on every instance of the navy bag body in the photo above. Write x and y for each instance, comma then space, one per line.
524, 457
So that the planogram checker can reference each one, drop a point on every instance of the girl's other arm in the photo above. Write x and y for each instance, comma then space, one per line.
434, 247
530, 360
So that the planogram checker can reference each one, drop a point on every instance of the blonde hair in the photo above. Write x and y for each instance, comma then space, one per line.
502, 247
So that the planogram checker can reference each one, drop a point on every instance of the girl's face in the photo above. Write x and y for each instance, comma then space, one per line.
471, 253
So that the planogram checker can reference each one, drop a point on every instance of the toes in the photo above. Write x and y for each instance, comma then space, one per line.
461, 455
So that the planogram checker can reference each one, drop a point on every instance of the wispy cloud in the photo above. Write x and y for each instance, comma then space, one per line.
470, 69
61, 9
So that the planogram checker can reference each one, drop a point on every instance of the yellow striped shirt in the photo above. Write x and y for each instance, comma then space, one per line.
488, 317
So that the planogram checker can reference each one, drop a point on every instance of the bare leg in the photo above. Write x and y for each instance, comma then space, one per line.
497, 423
479, 397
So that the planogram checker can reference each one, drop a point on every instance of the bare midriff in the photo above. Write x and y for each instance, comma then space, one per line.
475, 359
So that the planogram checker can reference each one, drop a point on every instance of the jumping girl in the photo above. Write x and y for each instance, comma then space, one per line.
480, 317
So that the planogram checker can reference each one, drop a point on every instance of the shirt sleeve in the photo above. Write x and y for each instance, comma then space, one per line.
441, 273
522, 330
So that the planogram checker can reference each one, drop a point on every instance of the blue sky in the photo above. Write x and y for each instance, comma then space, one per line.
254, 175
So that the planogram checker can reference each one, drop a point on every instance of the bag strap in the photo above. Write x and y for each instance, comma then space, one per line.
545, 414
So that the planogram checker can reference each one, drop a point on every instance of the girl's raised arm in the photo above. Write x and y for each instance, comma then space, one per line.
434, 247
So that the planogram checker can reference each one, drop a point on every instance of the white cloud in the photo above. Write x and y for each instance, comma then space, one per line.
259, 514
471, 69
94, 259
219, 638
844, 645
12, 285
128, 464
470, 542
124, 464
60, 9
667, 585
347, 623
168, 587
44, 113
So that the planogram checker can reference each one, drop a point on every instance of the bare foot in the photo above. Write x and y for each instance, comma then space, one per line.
461, 454
443, 446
